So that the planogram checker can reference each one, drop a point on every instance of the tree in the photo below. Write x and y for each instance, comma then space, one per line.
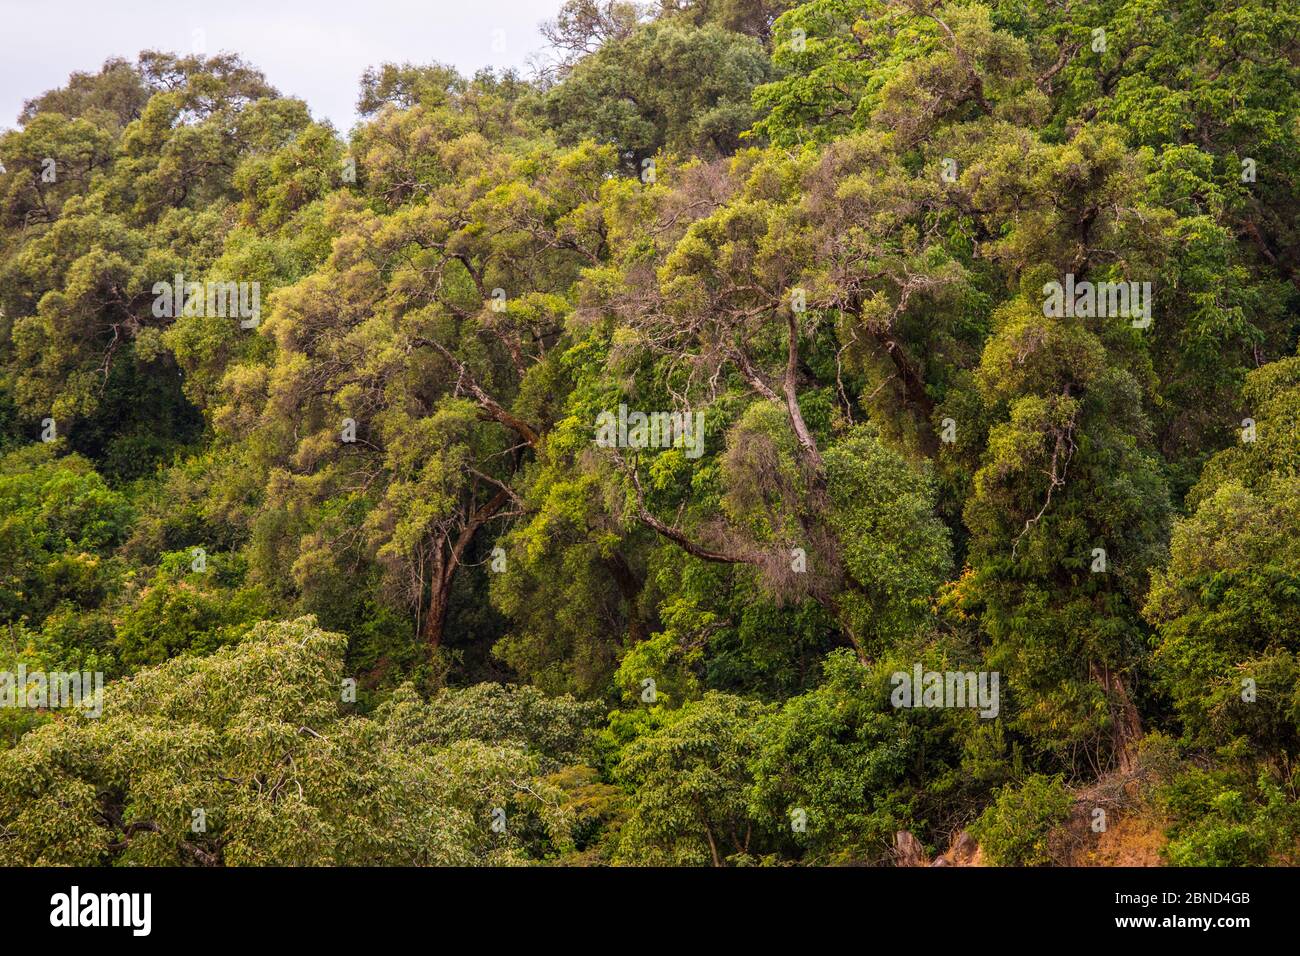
61, 524
247, 757
430, 331
126, 207
1226, 603
688, 783
662, 87
583, 26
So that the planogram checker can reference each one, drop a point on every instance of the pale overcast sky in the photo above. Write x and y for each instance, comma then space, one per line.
313, 49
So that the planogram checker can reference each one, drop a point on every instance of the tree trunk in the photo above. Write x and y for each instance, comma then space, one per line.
1126, 723
444, 570
790, 386
713, 846
435, 612
629, 586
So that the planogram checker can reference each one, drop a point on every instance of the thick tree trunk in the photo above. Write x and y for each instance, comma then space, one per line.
444, 570
629, 586
1126, 723
435, 611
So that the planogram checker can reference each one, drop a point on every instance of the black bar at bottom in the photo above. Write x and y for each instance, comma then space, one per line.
544, 906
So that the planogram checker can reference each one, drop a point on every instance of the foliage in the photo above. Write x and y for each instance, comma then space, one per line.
256, 738
1013, 830
819, 236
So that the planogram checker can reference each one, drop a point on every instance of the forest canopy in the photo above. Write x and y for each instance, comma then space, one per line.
842, 432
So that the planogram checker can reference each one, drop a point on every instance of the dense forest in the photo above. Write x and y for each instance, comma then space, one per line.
766, 433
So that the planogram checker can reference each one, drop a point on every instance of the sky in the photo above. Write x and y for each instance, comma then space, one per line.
312, 49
